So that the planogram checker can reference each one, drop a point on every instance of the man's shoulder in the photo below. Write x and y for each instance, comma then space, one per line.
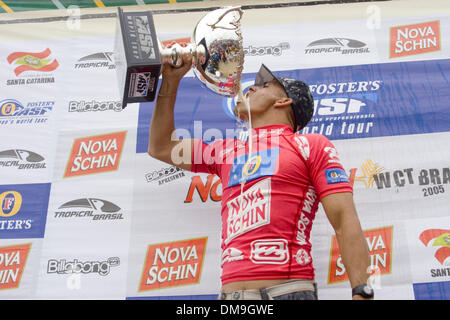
311, 137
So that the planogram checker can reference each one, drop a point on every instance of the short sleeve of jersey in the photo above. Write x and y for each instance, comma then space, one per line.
326, 171
206, 157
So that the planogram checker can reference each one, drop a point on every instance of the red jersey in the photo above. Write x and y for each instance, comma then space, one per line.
266, 226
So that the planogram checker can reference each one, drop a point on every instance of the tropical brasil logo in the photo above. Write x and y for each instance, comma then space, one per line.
336, 45
21, 159
93, 208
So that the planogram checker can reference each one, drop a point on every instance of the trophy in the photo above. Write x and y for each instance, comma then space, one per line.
216, 48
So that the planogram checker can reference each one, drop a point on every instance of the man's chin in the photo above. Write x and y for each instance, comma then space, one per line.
241, 114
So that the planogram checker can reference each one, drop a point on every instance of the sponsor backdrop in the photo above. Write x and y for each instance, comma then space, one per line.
85, 213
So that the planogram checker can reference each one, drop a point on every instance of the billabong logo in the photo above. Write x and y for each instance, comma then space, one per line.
28, 61
97, 209
165, 175
102, 268
12, 263
269, 251
95, 154
173, 264
94, 106
266, 50
336, 45
441, 239
21, 159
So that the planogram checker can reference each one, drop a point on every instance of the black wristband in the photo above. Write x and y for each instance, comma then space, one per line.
363, 290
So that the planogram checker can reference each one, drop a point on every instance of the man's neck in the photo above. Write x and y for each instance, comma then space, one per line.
258, 122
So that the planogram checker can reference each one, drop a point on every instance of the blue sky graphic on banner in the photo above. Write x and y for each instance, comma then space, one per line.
351, 102
23, 210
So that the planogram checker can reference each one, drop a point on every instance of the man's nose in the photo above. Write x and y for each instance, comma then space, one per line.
253, 88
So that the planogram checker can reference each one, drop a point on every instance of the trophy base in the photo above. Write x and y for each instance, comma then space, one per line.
137, 57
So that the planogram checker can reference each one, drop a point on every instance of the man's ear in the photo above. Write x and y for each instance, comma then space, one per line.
283, 102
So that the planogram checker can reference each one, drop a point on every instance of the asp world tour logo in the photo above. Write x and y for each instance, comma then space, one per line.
14, 112
344, 109
95, 154
12, 263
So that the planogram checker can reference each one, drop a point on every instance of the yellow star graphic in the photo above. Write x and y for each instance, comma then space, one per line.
369, 169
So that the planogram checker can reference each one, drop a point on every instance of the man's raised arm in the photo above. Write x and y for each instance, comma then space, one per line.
161, 144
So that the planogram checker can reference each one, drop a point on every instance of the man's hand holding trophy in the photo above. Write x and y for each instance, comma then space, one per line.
216, 49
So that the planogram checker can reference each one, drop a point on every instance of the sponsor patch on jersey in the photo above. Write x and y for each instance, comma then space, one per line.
336, 175
247, 168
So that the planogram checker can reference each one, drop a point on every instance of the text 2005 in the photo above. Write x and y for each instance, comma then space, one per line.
433, 190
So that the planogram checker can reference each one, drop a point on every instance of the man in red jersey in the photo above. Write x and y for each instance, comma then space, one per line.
271, 192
